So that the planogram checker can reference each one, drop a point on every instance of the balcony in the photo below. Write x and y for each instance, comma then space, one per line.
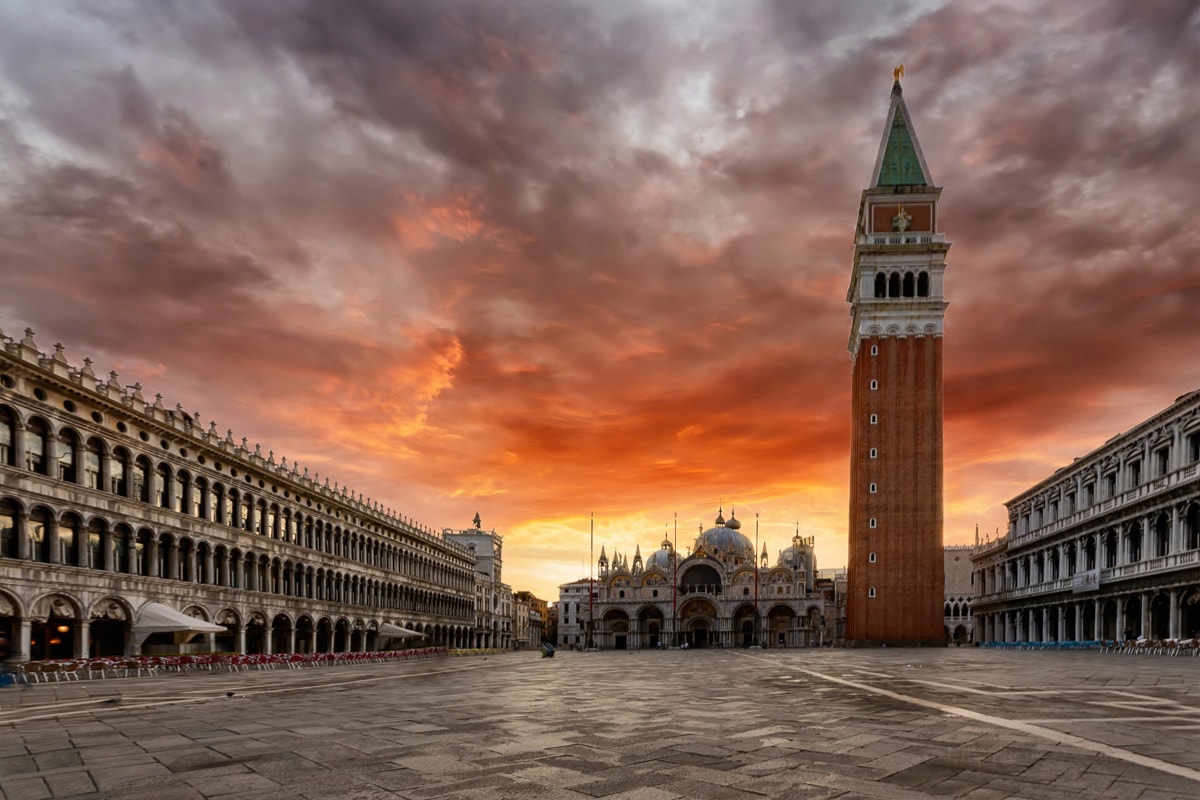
902, 238
1143, 491
1108, 576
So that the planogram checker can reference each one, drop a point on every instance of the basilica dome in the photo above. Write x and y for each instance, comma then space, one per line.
794, 557
723, 539
660, 558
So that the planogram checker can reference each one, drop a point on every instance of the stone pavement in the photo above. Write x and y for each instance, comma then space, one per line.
890, 724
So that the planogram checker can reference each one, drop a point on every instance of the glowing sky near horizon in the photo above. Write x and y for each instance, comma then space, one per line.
539, 259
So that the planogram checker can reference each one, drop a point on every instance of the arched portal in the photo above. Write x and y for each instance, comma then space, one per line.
1108, 620
54, 634
745, 625
341, 636
697, 622
650, 627
109, 628
1160, 617
1189, 612
325, 635
616, 629
281, 634
257, 634
781, 627
305, 635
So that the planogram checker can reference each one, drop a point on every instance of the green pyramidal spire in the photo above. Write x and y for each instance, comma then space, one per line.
900, 162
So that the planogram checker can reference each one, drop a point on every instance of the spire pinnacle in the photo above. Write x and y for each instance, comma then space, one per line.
900, 161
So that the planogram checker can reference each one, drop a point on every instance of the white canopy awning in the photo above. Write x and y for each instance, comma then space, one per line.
159, 618
389, 631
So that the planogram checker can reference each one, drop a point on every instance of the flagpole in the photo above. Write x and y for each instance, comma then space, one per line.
675, 584
587, 640
757, 580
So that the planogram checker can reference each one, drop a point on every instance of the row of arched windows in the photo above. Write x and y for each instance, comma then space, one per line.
66, 456
65, 539
958, 609
1110, 548
896, 284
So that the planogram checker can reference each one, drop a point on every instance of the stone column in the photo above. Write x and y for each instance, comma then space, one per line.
173, 561
1175, 538
21, 645
107, 545
105, 477
18, 444
1173, 624
208, 564
131, 565
82, 551
240, 638
1097, 622
152, 557
81, 627
1146, 630
55, 551
291, 640
1120, 631
21, 521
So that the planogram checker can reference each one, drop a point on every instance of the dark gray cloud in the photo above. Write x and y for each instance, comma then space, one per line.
603, 245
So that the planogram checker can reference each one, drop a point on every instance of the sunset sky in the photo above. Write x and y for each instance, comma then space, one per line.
538, 259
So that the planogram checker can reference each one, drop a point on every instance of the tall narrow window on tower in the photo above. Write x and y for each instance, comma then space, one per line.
899, 321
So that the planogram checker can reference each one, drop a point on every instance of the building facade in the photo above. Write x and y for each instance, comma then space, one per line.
108, 502
895, 568
720, 595
958, 622
574, 612
493, 597
1105, 548
528, 620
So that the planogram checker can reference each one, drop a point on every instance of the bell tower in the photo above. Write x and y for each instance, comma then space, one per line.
895, 571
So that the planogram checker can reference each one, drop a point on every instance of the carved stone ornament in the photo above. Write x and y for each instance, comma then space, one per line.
257, 618
227, 618
109, 609
7, 609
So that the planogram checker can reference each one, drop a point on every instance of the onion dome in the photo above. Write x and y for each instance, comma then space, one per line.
720, 520
733, 521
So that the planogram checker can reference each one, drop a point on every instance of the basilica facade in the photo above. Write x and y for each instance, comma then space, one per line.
721, 594
109, 501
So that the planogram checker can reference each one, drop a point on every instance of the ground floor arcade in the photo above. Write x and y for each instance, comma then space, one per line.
702, 623
1160, 613
66, 625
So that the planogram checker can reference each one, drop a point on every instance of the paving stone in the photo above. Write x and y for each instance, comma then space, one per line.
25, 789
618, 725
72, 783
